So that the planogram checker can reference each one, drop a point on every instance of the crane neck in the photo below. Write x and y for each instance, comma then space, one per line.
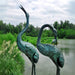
40, 33
27, 23
26, 27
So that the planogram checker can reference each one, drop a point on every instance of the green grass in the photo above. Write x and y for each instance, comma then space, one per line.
33, 40
11, 61
6, 37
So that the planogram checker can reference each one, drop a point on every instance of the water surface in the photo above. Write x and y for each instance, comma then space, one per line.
46, 67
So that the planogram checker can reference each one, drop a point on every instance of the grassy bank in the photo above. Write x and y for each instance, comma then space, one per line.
11, 61
33, 40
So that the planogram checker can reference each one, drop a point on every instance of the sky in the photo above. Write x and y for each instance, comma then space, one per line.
40, 11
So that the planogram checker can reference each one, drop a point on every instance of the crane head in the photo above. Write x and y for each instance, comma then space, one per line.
22, 8
54, 42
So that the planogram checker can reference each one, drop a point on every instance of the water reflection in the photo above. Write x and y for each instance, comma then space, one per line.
67, 46
68, 49
46, 67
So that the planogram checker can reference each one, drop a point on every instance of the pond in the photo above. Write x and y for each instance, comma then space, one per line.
46, 67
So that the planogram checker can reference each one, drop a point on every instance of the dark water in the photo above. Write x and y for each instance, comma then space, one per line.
46, 67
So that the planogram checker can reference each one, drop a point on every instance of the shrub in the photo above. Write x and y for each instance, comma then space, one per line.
70, 34
11, 61
7, 37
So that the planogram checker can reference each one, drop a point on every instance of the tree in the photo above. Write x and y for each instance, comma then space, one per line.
56, 24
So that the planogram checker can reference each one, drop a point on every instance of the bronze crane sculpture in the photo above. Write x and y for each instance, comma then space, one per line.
27, 48
51, 50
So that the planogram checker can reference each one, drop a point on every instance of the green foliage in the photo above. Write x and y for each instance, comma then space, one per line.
9, 66
30, 39
7, 37
47, 33
64, 25
61, 33
70, 34
56, 25
33, 40
47, 40
11, 61
33, 31
65, 29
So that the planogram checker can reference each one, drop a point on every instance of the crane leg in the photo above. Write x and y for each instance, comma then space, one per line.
58, 71
33, 69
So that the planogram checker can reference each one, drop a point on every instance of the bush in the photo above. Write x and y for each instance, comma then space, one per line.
61, 33
7, 37
11, 61
33, 40
66, 33
70, 34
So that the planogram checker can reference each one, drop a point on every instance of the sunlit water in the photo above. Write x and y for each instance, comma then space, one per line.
46, 67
